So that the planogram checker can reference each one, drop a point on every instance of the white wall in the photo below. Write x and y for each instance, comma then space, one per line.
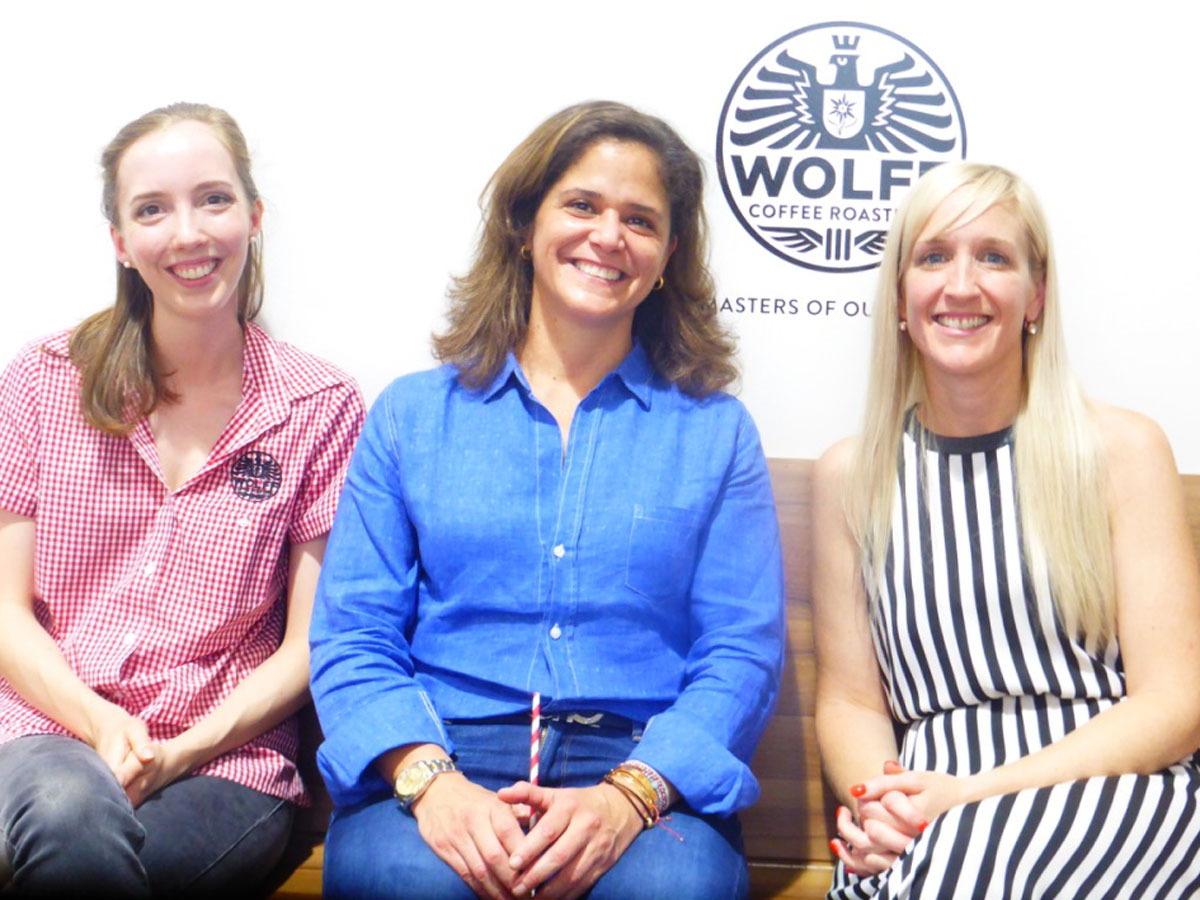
374, 129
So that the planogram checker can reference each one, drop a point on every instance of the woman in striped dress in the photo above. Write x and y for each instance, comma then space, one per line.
1004, 579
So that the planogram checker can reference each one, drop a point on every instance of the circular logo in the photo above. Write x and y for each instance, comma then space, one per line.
255, 476
822, 133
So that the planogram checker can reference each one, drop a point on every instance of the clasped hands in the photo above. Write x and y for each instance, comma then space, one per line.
891, 812
580, 833
141, 765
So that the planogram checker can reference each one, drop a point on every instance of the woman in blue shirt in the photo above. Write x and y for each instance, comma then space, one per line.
572, 509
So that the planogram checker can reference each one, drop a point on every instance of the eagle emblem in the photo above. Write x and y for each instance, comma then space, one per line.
823, 132
900, 110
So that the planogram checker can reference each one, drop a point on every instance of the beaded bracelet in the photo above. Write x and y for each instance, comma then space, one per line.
662, 792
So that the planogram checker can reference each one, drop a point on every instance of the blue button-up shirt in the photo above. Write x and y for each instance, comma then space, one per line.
474, 562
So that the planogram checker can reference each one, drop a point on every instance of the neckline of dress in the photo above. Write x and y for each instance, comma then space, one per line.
940, 443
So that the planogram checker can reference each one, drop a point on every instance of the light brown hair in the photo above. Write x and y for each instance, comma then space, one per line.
112, 349
677, 325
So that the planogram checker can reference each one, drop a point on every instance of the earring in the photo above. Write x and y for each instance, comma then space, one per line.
1031, 327
127, 264
524, 253
903, 325
658, 286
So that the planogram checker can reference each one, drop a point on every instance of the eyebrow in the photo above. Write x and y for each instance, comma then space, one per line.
203, 186
596, 195
939, 239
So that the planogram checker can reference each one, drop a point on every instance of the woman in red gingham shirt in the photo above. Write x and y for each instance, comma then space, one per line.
168, 474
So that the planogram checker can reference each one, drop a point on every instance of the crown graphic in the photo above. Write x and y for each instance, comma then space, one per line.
845, 42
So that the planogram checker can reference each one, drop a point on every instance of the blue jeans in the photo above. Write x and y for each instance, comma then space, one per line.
374, 849
69, 829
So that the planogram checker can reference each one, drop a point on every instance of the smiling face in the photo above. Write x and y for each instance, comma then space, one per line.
601, 237
184, 220
967, 293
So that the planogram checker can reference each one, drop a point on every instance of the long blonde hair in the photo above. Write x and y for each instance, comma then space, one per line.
677, 324
112, 348
1056, 443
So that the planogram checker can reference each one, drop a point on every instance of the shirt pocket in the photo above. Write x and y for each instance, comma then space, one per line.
662, 550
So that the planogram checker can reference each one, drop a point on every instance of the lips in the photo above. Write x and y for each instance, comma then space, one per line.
194, 271
596, 270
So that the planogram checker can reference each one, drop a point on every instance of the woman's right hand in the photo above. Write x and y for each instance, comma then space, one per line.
885, 826
122, 740
472, 830
866, 852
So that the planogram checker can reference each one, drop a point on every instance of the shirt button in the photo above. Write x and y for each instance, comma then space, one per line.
556, 632
559, 551
243, 522
130, 639
149, 570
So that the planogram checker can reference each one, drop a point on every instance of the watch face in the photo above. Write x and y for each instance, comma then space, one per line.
414, 778
410, 780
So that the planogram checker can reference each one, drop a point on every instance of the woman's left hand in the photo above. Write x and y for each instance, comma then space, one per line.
147, 777
580, 834
910, 797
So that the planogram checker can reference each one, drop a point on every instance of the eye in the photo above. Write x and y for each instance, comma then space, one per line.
218, 199
641, 223
580, 205
148, 211
995, 258
933, 258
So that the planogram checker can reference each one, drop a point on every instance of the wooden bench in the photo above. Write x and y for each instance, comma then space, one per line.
788, 831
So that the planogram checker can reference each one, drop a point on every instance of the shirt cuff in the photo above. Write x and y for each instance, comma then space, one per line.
709, 778
360, 736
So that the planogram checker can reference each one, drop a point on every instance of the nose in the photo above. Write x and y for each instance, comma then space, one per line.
962, 276
606, 230
187, 230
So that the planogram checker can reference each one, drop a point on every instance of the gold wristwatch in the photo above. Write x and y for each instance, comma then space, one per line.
415, 778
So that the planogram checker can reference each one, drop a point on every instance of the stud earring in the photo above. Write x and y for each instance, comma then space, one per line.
1031, 327
127, 264
903, 325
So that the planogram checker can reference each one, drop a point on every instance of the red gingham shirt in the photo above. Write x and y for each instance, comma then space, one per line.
163, 601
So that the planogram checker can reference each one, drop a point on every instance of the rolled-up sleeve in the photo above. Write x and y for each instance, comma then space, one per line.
339, 419
362, 672
19, 436
703, 742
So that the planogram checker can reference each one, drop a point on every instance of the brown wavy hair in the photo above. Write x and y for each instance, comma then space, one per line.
489, 305
112, 349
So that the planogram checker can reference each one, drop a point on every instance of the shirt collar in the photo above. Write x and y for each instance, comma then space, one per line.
270, 385
261, 376
635, 372
511, 370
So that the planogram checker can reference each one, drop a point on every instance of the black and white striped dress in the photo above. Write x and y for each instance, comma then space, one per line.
979, 673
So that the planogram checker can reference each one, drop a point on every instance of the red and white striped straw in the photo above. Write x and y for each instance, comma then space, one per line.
535, 744
535, 737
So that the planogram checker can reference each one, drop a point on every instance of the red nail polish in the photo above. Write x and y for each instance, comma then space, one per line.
858, 790
921, 826
833, 847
